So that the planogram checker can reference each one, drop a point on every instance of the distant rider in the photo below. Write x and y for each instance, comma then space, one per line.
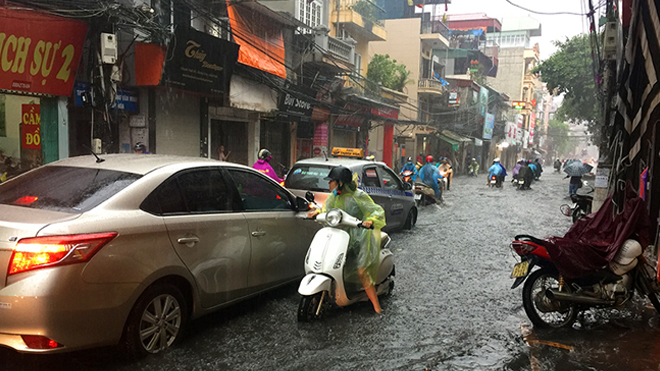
474, 167
497, 169
431, 175
263, 165
410, 166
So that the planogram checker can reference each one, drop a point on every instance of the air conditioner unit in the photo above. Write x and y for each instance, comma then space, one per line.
108, 48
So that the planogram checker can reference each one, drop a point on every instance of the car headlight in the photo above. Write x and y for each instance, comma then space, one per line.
333, 217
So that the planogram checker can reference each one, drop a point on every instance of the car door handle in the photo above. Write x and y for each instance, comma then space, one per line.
258, 233
188, 240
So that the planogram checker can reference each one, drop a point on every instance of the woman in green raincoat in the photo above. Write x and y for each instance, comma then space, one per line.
364, 247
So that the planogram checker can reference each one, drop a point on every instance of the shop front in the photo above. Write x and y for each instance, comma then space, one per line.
39, 55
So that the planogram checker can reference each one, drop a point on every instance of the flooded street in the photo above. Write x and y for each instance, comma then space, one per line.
452, 308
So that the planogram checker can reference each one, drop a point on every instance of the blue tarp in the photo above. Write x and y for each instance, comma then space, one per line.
476, 32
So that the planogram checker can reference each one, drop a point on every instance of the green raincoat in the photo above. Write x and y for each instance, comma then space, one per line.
364, 245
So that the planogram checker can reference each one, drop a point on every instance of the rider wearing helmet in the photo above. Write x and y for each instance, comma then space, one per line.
363, 257
410, 166
263, 165
140, 148
431, 175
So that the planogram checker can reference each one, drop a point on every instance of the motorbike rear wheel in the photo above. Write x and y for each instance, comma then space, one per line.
308, 307
543, 312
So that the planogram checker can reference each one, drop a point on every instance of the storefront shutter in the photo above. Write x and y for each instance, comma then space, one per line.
49, 130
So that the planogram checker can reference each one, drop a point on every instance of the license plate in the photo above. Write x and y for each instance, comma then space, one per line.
418, 197
520, 270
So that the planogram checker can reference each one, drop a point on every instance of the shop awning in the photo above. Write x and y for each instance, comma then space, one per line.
454, 144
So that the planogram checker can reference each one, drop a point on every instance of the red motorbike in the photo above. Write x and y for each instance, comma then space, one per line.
553, 301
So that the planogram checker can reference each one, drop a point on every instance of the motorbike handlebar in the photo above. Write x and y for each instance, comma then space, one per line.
360, 225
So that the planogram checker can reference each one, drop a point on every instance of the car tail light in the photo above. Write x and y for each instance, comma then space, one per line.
40, 252
39, 342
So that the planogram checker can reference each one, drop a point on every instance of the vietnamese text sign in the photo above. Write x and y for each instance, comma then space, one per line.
39, 53
31, 126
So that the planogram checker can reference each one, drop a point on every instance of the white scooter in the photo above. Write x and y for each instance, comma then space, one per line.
324, 267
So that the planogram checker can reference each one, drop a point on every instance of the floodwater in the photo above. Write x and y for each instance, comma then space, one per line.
452, 308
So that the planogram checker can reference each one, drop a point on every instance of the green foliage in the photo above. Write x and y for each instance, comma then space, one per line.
570, 71
385, 71
366, 9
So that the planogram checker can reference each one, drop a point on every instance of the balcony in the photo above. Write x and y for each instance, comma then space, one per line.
434, 34
430, 86
360, 19
332, 51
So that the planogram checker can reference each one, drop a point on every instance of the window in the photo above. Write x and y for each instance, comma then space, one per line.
259, 194
309, 14
197, 191
370, 177
67, 189
390, 180
309, 177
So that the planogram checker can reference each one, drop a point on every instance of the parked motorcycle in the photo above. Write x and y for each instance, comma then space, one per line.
425, 195
324, 267
553, 301
581, 205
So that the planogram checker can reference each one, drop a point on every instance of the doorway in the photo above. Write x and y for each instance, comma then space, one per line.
233, 136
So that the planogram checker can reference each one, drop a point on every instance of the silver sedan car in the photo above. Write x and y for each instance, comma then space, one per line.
128, 248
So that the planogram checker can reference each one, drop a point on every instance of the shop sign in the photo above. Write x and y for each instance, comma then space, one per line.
532, 121
125, 100
39, 53
31, 126
483, 101
354, 119
519, 105
200, 62
320, 140
296, 105
387, 112
489, 124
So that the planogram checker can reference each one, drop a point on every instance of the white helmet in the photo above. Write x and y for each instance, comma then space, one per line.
620, 269
628, 252
497, 159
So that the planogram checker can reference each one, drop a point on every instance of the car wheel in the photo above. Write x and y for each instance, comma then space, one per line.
411, 220
156, 322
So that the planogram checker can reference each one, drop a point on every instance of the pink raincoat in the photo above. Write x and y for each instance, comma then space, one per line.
263, 166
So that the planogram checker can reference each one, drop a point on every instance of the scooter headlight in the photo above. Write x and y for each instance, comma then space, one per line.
333, 218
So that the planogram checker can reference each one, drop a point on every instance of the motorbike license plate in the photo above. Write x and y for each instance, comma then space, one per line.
418, 196
520, 270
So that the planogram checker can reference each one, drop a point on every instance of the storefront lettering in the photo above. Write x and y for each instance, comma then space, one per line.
193, 51
15, 52
31, 126
297, 103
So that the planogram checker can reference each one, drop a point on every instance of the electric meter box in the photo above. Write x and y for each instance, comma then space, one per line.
108, 48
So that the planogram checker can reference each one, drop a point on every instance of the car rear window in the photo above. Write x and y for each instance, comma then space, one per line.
308, 177
68, 189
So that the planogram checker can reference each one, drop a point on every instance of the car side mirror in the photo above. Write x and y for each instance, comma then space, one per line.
303, 205
309, 196
407, 186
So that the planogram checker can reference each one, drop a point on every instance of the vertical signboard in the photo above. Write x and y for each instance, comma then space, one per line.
31, 126
483, 101
532, 122
489, 124
320, 140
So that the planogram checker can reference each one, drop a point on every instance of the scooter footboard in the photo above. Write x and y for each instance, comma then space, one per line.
386, 265
314, 283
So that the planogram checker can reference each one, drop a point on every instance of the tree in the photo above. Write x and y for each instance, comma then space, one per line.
570, 71
386, 71
558, 134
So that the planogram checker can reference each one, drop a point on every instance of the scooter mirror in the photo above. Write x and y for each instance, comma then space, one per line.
309, 196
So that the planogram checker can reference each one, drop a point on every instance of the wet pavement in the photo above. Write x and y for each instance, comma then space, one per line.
452, 308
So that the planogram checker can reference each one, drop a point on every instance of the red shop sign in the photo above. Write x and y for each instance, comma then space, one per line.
39, 53
31, 126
